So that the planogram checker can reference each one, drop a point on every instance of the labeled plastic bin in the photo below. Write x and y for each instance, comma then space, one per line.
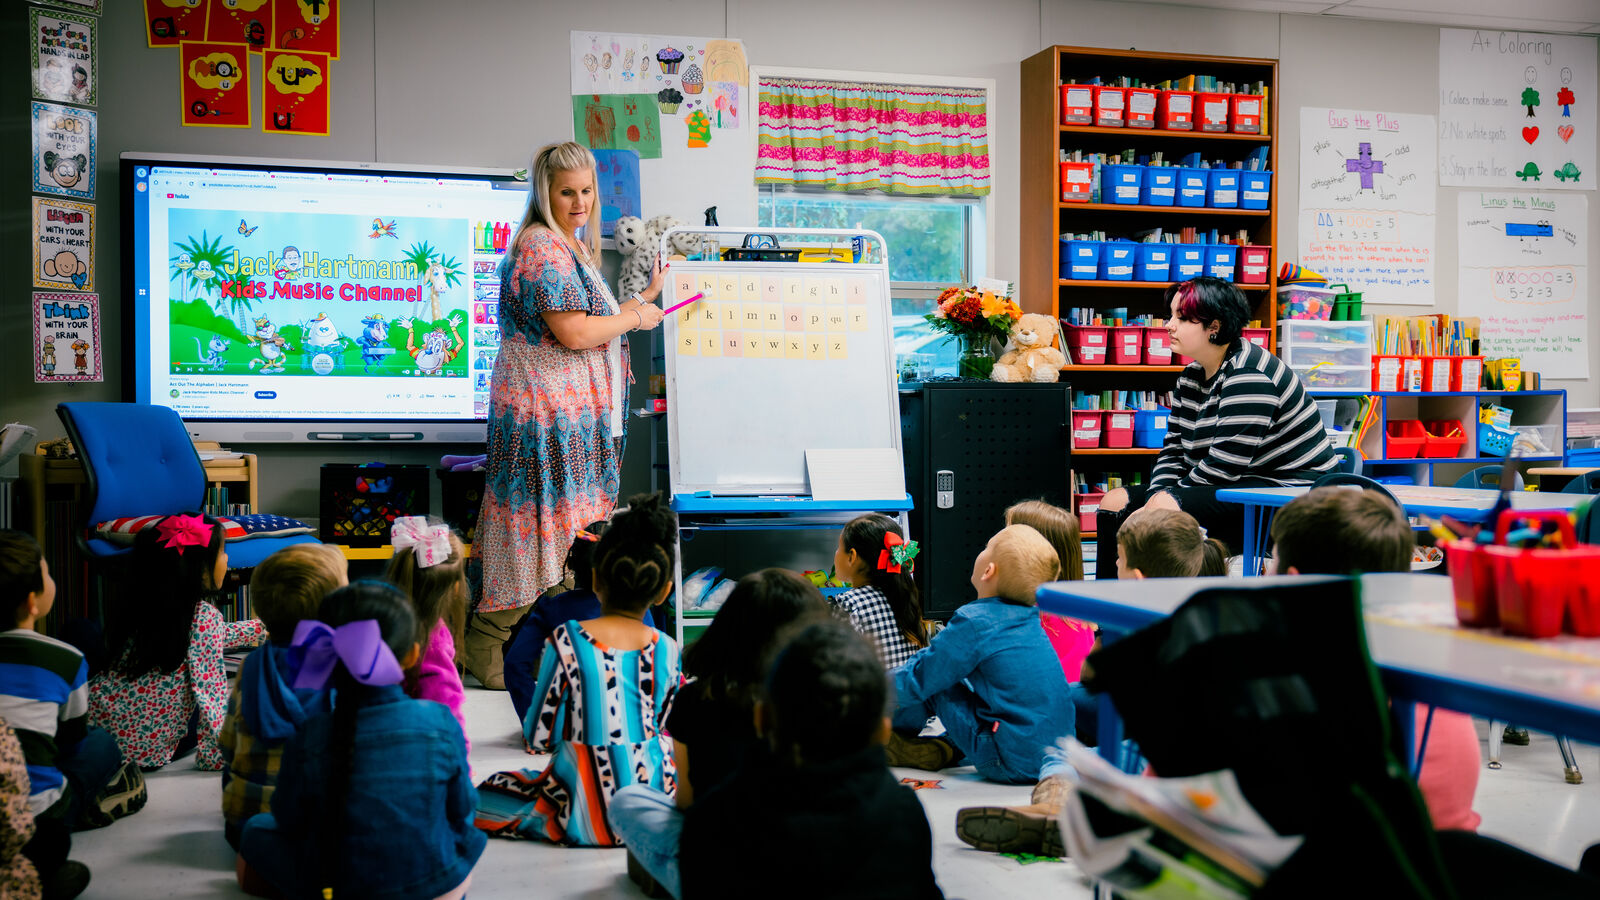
1119, 428
1116, 260
1153, 262
1255, 190
1150, 427
1244, 113
1261, 337
1192, 186
1466, 373
1109, 106
1221, 260
1127, 345
1222, 188
1175, 110
1077, 104
1212, 110
1255, 264
1300, 301
1121, 183
1159, 186
1386, 373
1077, 182
1157, 346
1188, 261
1086, 428
1445, 439
1436, 371
1141, 108
1088, 343
1080, 259
1088, 511
1403, 439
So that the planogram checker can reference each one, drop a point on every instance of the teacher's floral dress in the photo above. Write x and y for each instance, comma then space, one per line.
555, 431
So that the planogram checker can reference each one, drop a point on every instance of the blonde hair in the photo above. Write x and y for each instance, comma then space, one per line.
1168, 543
551, 159
289, 585
1023, 560
1059, 527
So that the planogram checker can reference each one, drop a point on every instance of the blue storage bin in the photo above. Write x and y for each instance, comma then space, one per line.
1159, 186
1255, 189
1192, 186
1222, 189
1153, 262
1586, 456
1080, 259
1120, 183
1188, 261
1116, 260
1222, 260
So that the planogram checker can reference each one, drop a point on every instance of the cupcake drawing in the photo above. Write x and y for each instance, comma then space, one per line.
693, 81
668, 99
669, 59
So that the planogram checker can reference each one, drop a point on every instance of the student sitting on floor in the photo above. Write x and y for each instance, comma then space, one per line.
374, 798
18, 877
430, 566
264, 711
814, 812
990, 675
601, 696
165, 692
882, 603
1345, 531
1070, 638
526, 646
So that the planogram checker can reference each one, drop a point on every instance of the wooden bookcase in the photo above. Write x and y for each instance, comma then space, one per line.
1045, 216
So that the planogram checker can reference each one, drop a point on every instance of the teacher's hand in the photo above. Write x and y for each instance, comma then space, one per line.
658, 273
649, 316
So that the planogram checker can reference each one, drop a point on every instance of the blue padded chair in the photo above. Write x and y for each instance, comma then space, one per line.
1486, 478
1351, 479
1349, 460
138, 460
1587, 483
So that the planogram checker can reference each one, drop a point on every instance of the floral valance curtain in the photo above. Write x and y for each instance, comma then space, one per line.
850, 136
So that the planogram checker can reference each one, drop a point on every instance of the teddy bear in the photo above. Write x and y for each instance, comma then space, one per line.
1029, 356
637, 241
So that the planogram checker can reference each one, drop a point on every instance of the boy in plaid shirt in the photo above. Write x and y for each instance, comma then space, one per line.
263, 710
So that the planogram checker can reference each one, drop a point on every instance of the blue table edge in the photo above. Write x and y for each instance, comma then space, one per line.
694, 503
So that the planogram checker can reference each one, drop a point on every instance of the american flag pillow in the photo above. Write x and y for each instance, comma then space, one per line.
234, 528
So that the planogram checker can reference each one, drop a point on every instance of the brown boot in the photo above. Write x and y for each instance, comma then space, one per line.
1011, 829
927, 753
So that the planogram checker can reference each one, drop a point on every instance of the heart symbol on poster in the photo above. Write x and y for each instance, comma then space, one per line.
1531, 133
1566, 133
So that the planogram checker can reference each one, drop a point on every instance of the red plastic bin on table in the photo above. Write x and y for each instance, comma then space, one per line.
1403, 439
1472, 582
1077, 104
1127, 345
1445, 439
1119, 428
1535, 589
1087, 427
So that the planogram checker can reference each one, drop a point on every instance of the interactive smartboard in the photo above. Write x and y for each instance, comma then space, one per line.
774, 360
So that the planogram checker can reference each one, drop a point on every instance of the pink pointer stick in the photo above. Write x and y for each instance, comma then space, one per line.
672, 309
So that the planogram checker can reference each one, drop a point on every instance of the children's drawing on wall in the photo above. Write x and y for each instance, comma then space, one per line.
63, 245
65, 54
66, 337
618, 172
64, 150
725, 62
725, 104
618, 122
699, 128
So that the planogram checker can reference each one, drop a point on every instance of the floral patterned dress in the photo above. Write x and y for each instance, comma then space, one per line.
554, 445
150, 714
18, 878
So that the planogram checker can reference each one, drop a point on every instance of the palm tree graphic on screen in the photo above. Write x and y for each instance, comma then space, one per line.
437, 272
198, 266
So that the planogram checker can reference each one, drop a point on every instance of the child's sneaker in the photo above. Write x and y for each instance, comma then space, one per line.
124, 796
929, 754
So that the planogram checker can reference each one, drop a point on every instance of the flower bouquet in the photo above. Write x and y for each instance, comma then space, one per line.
977, 318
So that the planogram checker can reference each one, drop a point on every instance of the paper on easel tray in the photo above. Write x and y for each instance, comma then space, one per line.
868, 474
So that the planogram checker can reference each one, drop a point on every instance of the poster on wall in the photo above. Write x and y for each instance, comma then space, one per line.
296, 98
617, 122
1524, 272
66, 337
240, 21
64, 150
63, 245
216, 84
88, 6
310, 25
1517, 109
618, 174
65, 57
168, 23
1367, 201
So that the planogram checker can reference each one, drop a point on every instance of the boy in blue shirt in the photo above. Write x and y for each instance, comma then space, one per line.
990, 676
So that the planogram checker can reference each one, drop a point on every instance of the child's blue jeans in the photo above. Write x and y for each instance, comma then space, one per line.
650, 823
957, 708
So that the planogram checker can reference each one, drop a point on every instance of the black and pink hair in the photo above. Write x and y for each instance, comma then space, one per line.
1205, 300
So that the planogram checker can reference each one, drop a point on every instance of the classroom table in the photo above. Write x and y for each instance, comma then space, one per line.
1558, 476
1423, 656
1470, 505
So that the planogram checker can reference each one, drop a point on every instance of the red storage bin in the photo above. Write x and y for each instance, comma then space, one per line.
1261, 337
1436, 371
1087, 426
1445, 439
1536, 588
1088, 510
1255, 264
1211, 112
1088, 343
1127, 345
1178, 359
1472, 582
1077, 181
1466, 373
1110, 104
1141, 111
1386, 373
1404, 439
1244, 113
1157, 346
1119, 425
1077, 104
1175, 110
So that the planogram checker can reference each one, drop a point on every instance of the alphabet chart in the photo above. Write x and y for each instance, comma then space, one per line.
748, 314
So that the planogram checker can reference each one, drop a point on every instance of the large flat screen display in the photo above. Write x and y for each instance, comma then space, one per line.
291, 300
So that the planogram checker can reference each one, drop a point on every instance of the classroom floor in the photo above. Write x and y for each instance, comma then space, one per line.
173, 849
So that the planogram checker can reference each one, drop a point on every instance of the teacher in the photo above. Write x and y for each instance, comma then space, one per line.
557, 399
1240, 418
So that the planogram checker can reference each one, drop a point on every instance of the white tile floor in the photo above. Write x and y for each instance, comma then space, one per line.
174, 847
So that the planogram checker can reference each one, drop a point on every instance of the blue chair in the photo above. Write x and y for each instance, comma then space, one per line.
1349, 460
138, 460
1351, 479
1486, 478
1587, 483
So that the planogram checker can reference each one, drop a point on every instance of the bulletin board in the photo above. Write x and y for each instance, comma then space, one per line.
775, 360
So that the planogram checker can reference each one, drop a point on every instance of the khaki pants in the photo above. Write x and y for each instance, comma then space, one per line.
484, 642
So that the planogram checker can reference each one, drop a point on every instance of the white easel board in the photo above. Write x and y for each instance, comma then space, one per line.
775, 360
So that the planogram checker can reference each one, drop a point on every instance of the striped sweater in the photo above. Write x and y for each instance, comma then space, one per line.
44, 694
1253, 420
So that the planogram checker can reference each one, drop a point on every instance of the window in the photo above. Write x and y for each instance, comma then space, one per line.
933, 243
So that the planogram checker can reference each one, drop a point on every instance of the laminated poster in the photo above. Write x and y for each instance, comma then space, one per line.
64, 150
1367, 186
1517, 109
168, 23
618, 173
63, 245
309, 25
65, 55
618, 122
66, 337
240, 21
88, 6
296, 98
1525, 273
216, 84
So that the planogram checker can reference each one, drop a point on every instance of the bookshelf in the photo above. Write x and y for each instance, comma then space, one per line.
1045, 216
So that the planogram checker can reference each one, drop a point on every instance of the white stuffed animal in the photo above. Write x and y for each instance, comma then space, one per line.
637, 241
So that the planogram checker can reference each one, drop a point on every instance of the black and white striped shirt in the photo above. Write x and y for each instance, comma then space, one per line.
1253, 419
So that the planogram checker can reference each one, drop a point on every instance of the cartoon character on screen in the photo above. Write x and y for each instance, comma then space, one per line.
383, 229
435, 351
80, 355
47, 360
290, 265
218, 345
374, 341
273, 347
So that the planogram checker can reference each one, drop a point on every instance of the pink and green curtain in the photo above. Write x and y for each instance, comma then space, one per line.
848, 136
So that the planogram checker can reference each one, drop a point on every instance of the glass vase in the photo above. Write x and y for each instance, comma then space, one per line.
977, 357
